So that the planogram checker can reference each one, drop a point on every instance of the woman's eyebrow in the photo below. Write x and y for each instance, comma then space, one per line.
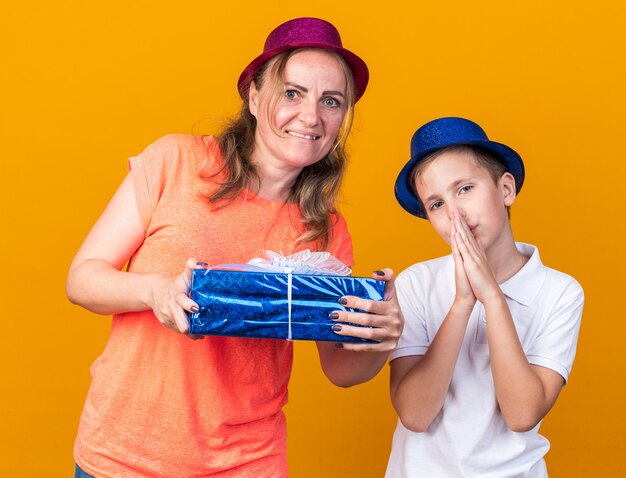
306, 90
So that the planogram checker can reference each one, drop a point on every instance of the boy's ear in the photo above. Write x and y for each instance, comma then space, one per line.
253, 99
507, 185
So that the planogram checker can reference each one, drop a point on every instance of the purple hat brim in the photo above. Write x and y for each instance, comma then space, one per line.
360, 72
406, 196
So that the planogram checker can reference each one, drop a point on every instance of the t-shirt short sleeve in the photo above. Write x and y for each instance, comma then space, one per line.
149, 171
555, 345
410, 287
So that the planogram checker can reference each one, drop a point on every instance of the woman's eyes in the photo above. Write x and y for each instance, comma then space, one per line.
328, 102
332, 102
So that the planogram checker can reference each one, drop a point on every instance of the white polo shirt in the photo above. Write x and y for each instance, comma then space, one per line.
469, 437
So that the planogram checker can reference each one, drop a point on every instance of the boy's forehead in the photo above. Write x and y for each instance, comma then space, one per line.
448, 167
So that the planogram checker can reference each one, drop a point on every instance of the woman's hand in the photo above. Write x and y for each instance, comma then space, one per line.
344, 363
170, 301
383, 320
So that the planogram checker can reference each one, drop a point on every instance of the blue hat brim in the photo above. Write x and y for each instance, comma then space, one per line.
405, 195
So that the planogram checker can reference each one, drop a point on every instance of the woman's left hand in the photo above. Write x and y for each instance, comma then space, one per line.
382, 320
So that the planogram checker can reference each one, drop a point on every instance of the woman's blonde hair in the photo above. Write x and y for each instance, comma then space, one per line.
317, 185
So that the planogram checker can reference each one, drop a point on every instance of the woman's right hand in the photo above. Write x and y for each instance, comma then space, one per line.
170, 301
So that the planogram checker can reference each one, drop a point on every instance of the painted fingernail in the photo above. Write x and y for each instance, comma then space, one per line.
343, 301
195, 309
379, 273
336, 327
333, 316
339, 345
202, 264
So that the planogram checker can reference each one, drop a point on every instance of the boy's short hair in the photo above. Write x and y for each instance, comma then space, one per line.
484, 158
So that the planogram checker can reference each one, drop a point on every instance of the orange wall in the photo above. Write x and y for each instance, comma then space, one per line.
84, 85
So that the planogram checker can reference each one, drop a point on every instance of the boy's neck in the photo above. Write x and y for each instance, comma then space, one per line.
505, 260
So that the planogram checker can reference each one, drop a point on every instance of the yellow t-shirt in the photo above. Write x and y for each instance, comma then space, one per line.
161, 404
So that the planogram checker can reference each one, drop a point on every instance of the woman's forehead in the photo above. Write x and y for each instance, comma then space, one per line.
314, 66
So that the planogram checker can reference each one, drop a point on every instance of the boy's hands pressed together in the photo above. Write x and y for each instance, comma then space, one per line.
464, 296
477, 270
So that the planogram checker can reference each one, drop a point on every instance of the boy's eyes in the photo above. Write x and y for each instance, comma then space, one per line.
462, 190
436, 205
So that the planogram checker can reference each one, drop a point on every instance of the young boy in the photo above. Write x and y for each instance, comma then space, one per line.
490, 332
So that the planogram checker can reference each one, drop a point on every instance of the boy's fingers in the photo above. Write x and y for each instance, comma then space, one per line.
461, 241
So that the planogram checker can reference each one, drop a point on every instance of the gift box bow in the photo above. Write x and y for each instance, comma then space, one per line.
302, 262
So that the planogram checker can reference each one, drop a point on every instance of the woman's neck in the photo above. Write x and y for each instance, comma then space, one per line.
275, 182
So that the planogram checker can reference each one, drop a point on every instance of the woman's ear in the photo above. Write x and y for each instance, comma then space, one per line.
253, 99
507, 186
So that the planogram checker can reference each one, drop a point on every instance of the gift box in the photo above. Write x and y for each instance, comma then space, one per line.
274, 305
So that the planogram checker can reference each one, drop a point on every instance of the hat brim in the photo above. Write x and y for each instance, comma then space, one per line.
405, 195
360, 72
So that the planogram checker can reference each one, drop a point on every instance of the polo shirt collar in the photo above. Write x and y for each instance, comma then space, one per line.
524, 286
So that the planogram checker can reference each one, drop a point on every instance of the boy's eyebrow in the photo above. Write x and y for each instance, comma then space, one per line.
306, 90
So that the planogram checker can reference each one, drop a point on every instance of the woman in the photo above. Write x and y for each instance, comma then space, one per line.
161, 404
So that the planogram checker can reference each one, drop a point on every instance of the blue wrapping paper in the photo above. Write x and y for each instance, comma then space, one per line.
255, 304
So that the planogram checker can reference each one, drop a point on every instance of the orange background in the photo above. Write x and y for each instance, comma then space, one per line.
84, 85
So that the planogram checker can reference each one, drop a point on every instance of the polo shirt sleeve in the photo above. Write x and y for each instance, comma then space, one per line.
555, 345
411, 290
